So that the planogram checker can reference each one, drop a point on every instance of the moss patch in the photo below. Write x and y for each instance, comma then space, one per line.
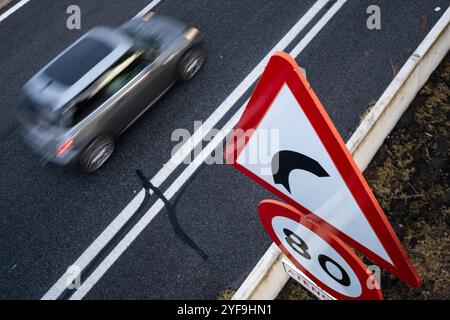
409, 177
227, 294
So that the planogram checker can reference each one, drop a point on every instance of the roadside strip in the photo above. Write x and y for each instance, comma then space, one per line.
103, 239
268, 277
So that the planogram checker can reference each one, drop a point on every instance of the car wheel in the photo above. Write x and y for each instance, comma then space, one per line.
191, 63
96, 154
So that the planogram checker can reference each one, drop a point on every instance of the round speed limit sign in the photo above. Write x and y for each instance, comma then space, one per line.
319, 254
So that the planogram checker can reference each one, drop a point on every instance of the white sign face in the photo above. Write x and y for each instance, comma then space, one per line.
305, 281
306, 172
286, 142
327, 267
317, 256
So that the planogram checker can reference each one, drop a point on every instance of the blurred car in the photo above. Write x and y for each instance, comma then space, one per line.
73, 109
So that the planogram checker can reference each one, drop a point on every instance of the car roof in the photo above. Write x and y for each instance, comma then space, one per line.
158, 28
74, 69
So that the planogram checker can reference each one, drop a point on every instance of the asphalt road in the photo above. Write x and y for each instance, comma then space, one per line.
51, 215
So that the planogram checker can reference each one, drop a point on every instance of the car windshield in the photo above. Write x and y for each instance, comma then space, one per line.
77, 61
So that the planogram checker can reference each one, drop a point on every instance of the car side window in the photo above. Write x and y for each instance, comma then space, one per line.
109, 84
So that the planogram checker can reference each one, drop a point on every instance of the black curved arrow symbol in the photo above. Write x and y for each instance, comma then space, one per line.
283, 162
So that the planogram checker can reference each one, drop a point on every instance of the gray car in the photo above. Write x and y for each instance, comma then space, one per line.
75, 107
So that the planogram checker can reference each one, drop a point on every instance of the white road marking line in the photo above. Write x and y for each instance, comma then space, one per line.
317, 27
149, 7
187, 173
21, 3
101, 241
137, 229
13, 9
58, 288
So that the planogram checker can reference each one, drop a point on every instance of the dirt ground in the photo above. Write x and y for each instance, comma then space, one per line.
409, 177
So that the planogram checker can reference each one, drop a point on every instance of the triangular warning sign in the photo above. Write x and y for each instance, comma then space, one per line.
288, 144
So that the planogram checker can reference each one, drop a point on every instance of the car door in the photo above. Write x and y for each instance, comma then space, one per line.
143, 90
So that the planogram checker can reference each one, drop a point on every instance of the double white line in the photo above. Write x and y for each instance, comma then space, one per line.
92, 251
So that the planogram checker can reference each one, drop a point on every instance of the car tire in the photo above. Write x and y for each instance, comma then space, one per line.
96, 154
191, 63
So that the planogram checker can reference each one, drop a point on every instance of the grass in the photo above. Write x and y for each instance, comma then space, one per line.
227, 294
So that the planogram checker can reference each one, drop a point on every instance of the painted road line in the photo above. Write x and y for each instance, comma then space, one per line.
111, 230
96, 275
317, 27
13, 9
153, 211
92, 251
21, 3
149, 7
268, 278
